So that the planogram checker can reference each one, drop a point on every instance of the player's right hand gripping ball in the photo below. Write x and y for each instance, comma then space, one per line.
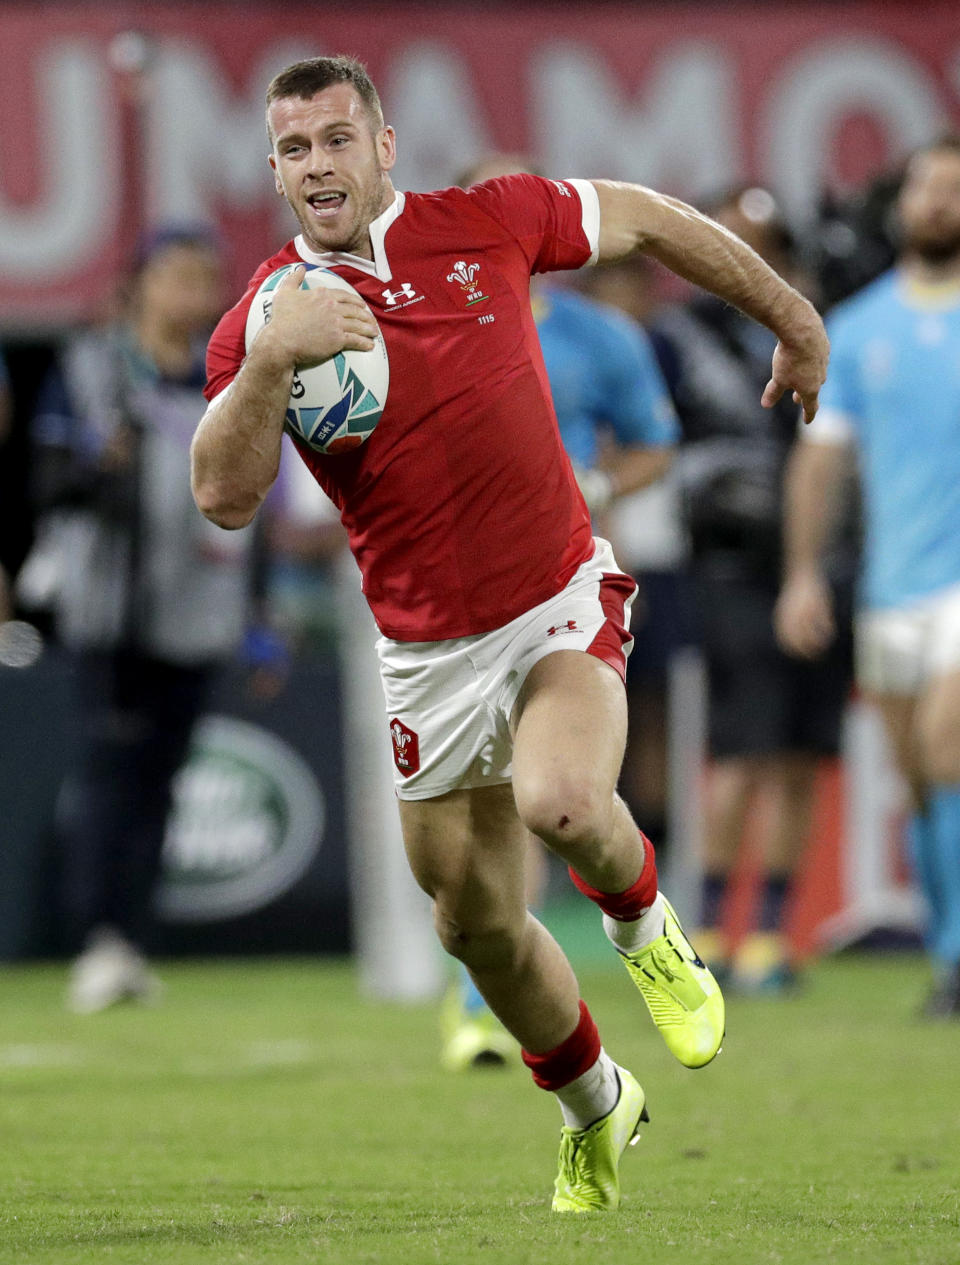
336, 405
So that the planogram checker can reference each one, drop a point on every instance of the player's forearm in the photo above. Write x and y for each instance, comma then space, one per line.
703, 252
235, 453
812, 493
634, 468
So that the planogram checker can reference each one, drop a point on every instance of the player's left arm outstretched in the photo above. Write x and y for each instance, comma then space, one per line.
633, 218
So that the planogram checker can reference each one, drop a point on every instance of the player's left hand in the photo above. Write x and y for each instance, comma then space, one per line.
596, 488
803, 617
800, 366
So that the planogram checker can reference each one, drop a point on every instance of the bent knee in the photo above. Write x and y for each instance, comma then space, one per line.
480, 946
566, 816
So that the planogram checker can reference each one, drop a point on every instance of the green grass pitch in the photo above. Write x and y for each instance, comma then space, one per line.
267, 1113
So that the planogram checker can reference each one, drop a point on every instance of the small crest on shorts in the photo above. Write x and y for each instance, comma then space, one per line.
406, 747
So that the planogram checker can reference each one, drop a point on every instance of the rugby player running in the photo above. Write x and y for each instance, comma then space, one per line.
504, 622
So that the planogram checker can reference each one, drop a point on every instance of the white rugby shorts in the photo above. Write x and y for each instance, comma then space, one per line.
449, 702
900, 649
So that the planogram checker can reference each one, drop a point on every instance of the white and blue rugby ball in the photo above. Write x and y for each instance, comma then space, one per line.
334, 406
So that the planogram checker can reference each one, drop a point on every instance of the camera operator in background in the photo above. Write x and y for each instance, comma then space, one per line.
772, 716
148, 596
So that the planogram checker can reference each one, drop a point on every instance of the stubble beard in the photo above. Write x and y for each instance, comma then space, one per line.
354, 239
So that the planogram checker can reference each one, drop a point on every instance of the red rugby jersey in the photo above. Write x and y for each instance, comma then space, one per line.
461, 508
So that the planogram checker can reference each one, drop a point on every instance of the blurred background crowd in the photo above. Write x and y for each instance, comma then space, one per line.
193, 755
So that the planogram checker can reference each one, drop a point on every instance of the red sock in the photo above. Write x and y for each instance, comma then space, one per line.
629, 905
570, 1059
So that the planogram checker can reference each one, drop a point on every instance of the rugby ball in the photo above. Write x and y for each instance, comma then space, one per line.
334, 406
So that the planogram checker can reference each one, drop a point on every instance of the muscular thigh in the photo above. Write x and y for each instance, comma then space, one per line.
570, 730
467, 850
898, 713
938, 729
450, 703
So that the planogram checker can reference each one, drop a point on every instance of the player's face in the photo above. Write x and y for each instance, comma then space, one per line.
331, 163
181, 286
930, 206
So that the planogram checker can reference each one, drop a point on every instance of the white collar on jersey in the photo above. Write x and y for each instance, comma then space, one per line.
379, 267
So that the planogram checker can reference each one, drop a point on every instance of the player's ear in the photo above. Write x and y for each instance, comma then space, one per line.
276, 174
386, 147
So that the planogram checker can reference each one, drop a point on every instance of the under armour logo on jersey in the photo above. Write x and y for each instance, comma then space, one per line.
393, 297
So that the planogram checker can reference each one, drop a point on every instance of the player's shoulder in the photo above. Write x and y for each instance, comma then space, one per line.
426, 212
236, 315
491, 197
227, 346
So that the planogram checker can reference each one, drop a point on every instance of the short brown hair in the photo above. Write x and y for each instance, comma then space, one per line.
306, 78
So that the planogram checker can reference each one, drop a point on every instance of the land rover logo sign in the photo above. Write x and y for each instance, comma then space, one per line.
246, 822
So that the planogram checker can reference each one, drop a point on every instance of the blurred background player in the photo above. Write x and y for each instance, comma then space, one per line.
772, 716
648, 533
892, 397
618, 426
6, 415
148, 595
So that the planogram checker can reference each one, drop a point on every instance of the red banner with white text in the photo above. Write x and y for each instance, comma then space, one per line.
118, 117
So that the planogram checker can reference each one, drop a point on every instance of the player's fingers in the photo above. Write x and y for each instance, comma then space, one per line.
361, 323
352, 307
293, 278
809, 402
820, 633
772, 392
358, 342
804, 642
344, 299
791, 632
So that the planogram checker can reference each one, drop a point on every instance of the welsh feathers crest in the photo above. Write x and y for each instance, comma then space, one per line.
464, 275
463, 272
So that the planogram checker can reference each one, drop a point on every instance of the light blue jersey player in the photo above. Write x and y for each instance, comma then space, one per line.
892, 397
607, 390
894, 390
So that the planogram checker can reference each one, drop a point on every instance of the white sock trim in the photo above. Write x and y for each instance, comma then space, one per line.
631, 937
592, 1095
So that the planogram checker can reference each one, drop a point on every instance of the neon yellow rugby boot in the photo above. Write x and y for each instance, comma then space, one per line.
682, 996
589, 1174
